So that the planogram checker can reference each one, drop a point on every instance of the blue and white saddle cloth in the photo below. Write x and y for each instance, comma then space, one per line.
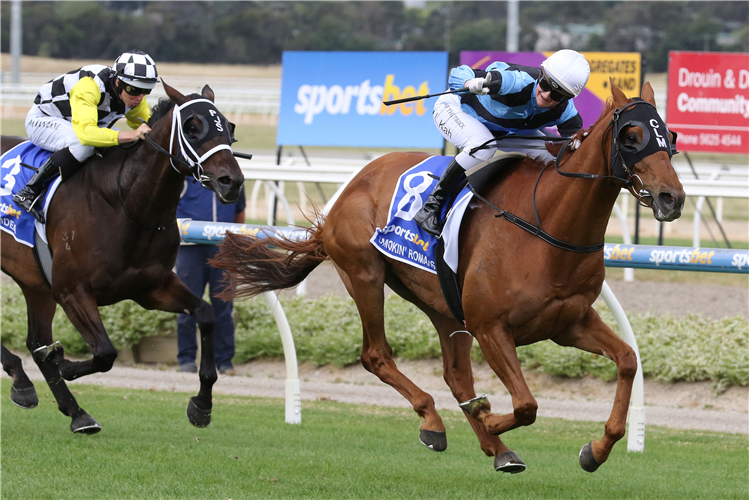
13, 177
403, 239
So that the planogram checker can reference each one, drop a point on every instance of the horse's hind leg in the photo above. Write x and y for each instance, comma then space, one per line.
41, 310
83, 312
174, 296
593, 335
22, 393
365, 281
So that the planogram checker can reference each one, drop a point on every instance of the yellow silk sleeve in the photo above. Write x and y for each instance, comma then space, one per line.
84, 99
140, 111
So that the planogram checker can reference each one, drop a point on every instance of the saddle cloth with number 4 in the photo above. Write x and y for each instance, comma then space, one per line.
403, 239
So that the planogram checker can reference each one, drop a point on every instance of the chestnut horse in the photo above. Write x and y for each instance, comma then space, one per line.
113, 236
516, 288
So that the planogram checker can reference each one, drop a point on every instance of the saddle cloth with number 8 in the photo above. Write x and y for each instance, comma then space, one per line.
403, 239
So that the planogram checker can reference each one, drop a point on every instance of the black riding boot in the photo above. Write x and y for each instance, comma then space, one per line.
28, 198
430, 217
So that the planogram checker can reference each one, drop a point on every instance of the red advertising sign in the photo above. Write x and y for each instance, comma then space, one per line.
708, 101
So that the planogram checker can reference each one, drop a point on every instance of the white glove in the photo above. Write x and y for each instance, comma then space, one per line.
478, 85
577, 141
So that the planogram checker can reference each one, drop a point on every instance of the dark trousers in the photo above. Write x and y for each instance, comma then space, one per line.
194, 271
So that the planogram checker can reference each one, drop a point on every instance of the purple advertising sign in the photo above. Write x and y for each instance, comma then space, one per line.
592, 99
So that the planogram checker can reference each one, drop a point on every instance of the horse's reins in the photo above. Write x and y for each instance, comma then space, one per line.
616, 126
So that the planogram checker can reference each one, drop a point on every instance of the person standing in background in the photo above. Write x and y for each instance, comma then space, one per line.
198, 203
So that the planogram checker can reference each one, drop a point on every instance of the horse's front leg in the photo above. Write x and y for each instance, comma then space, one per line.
174, 296
591, 334
22, 392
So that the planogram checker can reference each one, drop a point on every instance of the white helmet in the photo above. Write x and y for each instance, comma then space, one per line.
136, 68
567, 69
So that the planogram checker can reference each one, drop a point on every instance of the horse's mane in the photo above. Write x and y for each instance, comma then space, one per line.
605, 111
161, 109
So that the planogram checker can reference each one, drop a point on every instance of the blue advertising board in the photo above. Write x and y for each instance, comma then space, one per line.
335, 99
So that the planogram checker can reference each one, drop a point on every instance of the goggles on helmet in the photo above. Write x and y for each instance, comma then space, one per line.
131, 89
556, 92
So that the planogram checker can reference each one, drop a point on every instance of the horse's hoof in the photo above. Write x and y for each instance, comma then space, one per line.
510, 462
587, 461
434, 440
85, 424
25, 398
197, 416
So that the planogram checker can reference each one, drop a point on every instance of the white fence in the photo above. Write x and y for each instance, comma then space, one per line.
234, 96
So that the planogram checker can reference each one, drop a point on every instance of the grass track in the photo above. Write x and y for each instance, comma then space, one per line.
148, 450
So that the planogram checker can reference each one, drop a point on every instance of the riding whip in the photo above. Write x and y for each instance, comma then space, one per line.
418, 97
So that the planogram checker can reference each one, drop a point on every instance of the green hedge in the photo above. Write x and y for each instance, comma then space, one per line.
328, 331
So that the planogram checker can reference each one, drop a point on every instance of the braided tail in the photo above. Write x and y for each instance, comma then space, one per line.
257, 265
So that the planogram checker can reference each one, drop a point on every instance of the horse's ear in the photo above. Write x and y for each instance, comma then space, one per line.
208, 93
174, 94
620, 100
648, 94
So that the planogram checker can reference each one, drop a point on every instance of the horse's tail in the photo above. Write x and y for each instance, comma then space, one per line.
255, 265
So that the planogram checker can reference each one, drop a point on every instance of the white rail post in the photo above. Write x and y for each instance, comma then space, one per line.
621, 214
698, 213
636, 434
293, 396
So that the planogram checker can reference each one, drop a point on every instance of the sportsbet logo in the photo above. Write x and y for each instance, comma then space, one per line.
362, 99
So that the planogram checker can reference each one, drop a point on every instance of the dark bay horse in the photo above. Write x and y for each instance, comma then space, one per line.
113, 235
516, 288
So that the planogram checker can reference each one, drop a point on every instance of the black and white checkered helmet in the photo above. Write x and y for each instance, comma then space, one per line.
136, 68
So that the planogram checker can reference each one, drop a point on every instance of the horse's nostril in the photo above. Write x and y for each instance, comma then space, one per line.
667, 200
225, 180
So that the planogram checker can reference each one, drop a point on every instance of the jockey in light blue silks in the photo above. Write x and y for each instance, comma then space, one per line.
504, 100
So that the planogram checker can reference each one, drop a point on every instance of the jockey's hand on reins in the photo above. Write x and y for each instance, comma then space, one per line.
577, 140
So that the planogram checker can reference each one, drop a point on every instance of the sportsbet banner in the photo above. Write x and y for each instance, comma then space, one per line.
335, 99
708, 101
624, 67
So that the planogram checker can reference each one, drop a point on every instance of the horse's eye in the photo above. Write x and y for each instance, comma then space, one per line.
630, 138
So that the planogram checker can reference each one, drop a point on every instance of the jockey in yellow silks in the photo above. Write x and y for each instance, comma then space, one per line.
72, 114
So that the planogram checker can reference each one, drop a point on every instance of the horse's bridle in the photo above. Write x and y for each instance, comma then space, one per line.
189, 159
618, 168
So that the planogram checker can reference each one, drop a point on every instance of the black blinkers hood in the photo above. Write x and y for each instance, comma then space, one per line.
656, 137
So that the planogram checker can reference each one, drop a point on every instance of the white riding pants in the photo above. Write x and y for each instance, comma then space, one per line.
54, 133
466, 132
